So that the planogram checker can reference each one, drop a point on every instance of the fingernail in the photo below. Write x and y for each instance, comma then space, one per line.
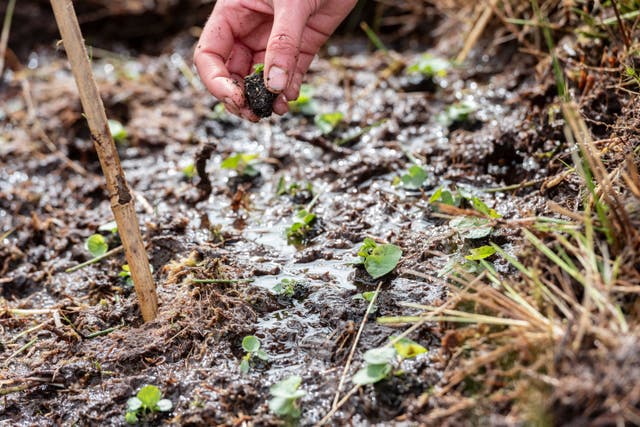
277, 79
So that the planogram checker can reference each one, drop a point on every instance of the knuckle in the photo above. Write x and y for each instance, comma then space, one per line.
283, 42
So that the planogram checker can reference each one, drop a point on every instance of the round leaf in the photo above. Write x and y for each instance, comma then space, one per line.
371, 374
377, 356
250, 344
407, 348
383, 259
287, 387
134, 404
96, 245
131, 418
149, 395
164, 405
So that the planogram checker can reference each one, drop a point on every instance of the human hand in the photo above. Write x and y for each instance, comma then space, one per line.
285, 35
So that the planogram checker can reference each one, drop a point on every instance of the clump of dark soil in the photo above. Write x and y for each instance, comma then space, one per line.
259, 98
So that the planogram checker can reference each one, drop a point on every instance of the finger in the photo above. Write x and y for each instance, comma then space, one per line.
280, 105
283, 48
239, 62
211, 53
293, 90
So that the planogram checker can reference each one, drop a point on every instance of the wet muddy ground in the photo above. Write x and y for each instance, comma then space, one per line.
80, 359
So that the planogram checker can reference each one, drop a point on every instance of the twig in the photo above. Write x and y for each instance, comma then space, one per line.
94, 260
623, 28
122, 200
28, 331
347, 365
20, 350
221, 281
6, 27
513, 187
29, 311
7, 234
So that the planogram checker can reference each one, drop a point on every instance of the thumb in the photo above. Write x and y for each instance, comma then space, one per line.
283, 48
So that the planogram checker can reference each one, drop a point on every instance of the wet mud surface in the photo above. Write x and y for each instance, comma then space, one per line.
78, 361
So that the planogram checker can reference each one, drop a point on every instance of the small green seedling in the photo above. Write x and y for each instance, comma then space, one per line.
379, 260
286, 287
480, 253
368, 297
285, 395
147, 401
414, 178
328, 122
251, 345
125, 274
96, 245
430, 66
456, 113
242, 163
407, 348
189, 171
118, 131
471, 227
305, 103
379, 364
299, 232
294, 190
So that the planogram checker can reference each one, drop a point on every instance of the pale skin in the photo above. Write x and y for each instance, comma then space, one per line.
285, 35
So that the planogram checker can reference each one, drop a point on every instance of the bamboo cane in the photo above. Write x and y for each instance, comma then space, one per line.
122, 202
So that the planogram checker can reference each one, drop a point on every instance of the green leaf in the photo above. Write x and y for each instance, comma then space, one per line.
383, 259
262, 355
481, 253
368, 245
471, 227
368, 296
304, 104
481, 207
288, 388
118, 131
377, 356
430, 66
96, 245
164, 405
134, 404
257, 68
284, 407
250, 344
455, 113
371, 374
244, 366
238, 161
149, 395
189, 171
414, 178
407, 348
131, 418
327, 122
442, 196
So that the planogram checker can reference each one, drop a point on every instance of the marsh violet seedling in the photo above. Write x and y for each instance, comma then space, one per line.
407, 348
379, 363
300, 230
118, 131
251, 345
96, 245
480, 253
327, 122
414, 178
378, 259
285, 395
430, 66
305, 104
147, 401
242, 163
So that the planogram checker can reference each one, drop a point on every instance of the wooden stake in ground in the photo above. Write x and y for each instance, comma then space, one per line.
122, 202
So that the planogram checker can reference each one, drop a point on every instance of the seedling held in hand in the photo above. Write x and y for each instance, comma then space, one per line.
285, 395
251, 345
259, 98
147, 401
379, 260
